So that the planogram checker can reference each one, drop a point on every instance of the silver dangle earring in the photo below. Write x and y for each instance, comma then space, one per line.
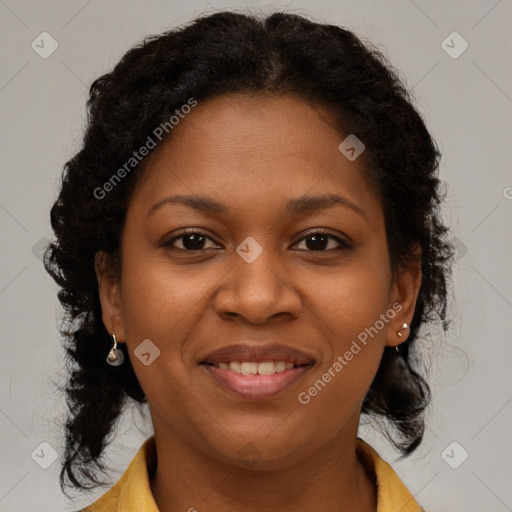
115, 357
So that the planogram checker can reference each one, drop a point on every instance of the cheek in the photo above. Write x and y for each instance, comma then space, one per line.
352, 310
161, 305
350, 298
351, 321
158, 299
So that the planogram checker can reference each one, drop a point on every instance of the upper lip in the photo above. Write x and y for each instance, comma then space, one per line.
258, 353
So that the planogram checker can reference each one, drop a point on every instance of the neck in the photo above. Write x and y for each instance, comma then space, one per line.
331, 479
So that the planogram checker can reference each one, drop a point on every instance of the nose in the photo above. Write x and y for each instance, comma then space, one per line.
257, 291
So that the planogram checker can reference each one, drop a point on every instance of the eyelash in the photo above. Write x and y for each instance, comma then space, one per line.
343, 245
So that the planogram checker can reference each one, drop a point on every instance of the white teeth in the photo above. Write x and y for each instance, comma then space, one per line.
253, 368
266, 368
249, 368
280, 366
235, 366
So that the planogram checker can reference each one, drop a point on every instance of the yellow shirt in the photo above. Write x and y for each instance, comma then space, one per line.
132, 492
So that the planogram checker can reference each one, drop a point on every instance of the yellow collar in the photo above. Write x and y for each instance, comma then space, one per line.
133, 491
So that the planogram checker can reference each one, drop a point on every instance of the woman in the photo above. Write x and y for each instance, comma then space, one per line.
249, 242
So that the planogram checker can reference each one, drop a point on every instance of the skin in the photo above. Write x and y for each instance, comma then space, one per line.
253, 154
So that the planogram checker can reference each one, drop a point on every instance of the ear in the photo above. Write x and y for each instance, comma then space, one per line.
110, 299
404, 291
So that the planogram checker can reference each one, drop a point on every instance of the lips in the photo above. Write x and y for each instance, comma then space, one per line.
244, 370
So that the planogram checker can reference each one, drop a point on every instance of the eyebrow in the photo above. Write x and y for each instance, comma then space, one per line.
299, 206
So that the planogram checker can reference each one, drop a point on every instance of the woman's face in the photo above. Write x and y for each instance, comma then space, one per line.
253, 273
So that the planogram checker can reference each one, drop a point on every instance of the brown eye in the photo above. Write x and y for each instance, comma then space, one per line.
190, 241
319, 241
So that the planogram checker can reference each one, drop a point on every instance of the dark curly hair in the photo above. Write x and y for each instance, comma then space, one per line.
225, 52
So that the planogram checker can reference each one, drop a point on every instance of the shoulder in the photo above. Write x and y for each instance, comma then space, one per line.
133, 487
392, 494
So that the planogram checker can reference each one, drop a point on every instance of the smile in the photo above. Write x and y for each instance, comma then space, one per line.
256, 380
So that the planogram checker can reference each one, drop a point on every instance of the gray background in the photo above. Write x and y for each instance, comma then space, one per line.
467, 104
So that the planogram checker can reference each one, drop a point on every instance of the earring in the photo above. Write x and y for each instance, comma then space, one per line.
404, 326
399, 334
115, 357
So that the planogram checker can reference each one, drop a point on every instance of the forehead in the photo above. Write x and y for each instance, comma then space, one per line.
236, 126
250, 149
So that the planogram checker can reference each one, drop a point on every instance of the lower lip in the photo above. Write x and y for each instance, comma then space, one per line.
257, 386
